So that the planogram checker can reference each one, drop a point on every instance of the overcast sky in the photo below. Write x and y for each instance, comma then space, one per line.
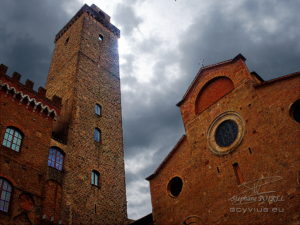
163, 44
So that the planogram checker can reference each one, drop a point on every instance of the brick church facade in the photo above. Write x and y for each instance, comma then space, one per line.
239, 160
62, 158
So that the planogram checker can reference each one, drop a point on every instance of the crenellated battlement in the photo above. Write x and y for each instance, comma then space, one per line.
27, 95
97, 14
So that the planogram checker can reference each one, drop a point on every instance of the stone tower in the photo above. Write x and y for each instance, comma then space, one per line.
85, 73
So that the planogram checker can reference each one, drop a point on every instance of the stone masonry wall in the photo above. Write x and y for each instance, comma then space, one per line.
90, 67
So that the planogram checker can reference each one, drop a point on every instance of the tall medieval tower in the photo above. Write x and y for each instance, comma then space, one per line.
85, 73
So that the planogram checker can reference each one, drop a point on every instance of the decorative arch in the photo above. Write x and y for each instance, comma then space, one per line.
212, 91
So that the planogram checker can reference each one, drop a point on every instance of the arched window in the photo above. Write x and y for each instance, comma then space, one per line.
12, 139
97, 135
211, 92
5, 194
95, 178
56, 158
98, 110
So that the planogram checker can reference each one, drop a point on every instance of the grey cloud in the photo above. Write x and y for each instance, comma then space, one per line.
267, 36
126, 17
27, 34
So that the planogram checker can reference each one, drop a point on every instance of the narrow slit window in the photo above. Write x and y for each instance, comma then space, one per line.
67, 41
95, 178
238, 173
97, 135
98, 110
100, 37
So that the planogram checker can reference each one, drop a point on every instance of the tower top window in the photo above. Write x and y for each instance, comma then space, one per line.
100, 37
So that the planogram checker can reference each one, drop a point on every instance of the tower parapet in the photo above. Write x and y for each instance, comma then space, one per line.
97, 14
26, 94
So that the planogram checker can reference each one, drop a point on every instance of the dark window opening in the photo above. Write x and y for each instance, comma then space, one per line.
12, 139
238, 173
95, 180
67, 41
226, 133
250, 151
295, 110
97, 135
5, 195
218, 169
98, 110
100, 38
175, 186
55, 158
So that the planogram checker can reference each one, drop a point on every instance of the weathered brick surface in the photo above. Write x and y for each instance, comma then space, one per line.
85, 71
270, 147
26, 169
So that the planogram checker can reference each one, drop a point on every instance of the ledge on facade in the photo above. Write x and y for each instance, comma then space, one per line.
61, 138
54, 174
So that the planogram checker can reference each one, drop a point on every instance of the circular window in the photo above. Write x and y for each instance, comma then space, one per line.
226, 133
295, 110
175, 186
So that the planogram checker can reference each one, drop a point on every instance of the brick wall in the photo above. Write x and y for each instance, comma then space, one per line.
85, 72
26, 169
269, 148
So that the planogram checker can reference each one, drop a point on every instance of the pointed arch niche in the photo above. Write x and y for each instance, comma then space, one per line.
211, 92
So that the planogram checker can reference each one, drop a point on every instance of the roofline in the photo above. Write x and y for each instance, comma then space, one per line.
285, 77
239, 56
257, 76
93, 13
183, 137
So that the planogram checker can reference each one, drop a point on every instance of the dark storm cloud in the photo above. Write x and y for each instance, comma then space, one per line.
265, 32
126, 17
27, 33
